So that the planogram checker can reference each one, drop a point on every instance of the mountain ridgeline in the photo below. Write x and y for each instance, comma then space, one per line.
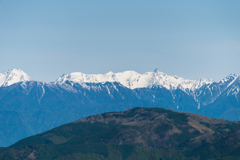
31, 107
138, 133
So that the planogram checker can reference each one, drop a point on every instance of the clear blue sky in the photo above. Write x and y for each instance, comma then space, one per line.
191, 39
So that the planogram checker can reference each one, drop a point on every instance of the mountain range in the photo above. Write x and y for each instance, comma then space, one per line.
29, 107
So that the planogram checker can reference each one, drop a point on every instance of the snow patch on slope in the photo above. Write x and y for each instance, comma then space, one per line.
132, 80
13, 76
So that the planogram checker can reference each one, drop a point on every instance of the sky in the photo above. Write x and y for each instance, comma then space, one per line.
190, 39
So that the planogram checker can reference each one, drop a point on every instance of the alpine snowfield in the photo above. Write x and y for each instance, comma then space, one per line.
132, 80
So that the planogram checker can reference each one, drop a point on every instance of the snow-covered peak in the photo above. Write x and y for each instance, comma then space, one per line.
13, 76
132, 79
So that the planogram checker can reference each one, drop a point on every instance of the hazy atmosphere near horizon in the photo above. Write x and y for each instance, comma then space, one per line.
191, 39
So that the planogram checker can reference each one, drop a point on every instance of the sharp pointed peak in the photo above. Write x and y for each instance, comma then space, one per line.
110, 72
156, 70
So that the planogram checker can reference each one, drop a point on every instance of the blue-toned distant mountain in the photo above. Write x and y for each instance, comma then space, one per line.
28, 107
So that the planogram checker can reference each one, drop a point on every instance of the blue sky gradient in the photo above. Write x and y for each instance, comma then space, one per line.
191, 39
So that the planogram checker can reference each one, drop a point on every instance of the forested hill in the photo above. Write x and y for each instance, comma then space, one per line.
139, 133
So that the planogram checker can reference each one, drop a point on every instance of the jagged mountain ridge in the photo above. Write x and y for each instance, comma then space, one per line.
130, 79
133, 80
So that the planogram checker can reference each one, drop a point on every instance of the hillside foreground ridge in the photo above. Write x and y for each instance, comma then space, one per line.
137, 133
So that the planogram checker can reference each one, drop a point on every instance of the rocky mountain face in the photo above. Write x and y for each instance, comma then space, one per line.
138, 133
31, 107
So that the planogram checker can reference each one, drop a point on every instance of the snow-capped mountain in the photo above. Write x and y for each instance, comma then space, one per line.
133, 80
13, 76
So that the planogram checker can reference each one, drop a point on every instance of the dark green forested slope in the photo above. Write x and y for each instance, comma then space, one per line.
139, 133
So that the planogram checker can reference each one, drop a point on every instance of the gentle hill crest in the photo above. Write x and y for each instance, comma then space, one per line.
154, 130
